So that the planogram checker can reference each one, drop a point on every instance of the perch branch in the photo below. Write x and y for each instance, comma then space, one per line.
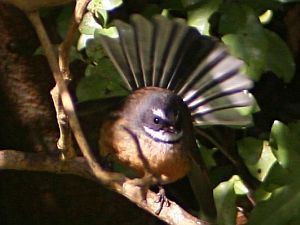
86, 167
172, 214
16, 160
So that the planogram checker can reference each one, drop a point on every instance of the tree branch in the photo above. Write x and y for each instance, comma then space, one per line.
17, 160
88, 166
65, 140
105, 177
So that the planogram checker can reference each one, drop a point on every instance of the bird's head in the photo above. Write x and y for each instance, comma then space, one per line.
159, 113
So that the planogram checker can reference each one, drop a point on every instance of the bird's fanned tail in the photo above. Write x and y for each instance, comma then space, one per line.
170, 54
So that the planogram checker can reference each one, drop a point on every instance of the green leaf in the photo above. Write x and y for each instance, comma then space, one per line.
225, 198
99, 9
261, 49
95, 51
100, 13
257, 155
285, 144
199, 17
238, 18
250, 149
110, 32
88, 24
96, 5
261, 194
207, 155
251, 48
83, 40
239, 187
101, 81
282, 208
279, 57
244, 35
277, 177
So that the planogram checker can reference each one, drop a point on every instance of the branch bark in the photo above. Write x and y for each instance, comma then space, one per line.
17, 160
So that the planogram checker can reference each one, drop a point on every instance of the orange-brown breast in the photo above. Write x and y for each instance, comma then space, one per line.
169, 161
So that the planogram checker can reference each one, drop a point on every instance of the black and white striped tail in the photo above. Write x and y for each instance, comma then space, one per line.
170, 54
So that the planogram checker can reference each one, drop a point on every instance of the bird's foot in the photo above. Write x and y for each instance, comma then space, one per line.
162, 200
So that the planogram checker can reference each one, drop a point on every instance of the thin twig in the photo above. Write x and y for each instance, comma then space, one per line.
80, 9
104, 176
65, 48
64, 143
65, 139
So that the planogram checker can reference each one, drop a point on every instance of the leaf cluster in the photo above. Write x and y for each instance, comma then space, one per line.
272, 155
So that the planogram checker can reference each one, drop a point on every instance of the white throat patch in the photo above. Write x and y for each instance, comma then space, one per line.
162, 135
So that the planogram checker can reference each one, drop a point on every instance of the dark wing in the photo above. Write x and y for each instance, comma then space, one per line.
170, 54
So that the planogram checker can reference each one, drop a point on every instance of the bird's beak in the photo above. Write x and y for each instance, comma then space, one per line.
171, 129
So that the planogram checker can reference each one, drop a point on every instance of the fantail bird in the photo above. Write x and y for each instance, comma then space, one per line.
178, 79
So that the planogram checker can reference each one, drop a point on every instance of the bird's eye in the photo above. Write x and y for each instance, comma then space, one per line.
156, 120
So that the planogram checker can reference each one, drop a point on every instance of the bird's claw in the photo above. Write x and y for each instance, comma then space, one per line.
162, 200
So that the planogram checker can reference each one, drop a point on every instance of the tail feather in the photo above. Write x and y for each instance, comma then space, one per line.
169, 54
176, 46
222, 116
203, 72
185, 59
196, 50
144, 37
130, 49
163, 34
238, 87
114, 50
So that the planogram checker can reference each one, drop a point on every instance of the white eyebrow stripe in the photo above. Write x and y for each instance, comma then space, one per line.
163, 136
159, 113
